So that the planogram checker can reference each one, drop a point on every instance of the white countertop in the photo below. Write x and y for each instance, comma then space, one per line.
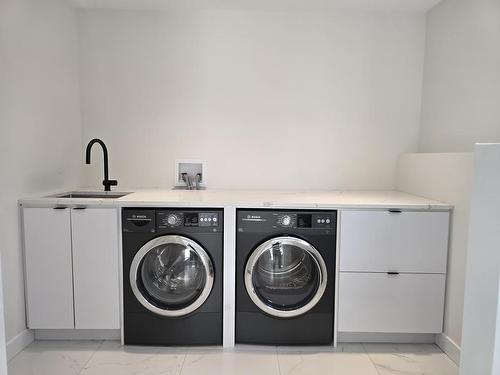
253, 198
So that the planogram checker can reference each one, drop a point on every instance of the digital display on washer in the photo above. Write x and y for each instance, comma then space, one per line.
304, 221
191, 219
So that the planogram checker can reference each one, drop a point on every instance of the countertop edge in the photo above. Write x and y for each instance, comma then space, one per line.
119, 203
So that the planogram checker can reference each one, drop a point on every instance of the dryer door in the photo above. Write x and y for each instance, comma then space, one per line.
171, 275
285, 276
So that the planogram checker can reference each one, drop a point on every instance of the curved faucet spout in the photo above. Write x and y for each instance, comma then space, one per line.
107, 182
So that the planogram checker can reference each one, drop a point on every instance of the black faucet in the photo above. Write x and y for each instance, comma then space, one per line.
107, 182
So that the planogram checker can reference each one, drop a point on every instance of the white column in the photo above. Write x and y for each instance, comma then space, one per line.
229, 276
481, 316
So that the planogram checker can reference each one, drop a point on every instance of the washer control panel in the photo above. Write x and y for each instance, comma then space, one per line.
173, 219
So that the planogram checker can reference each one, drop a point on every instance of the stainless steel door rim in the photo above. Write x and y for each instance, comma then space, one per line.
188, 243
292, 241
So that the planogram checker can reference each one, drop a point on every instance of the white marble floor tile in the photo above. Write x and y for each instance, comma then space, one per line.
348, 359
231, 362
410, 359
53, 358
110, 358
114, 359
352, 347
255, 348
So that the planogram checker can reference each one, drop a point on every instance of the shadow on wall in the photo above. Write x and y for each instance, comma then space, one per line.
446, 177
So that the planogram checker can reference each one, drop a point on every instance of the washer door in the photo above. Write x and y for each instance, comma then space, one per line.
171, 275
285, 276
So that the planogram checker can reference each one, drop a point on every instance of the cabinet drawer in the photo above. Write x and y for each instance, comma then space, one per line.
381, 241
378, 302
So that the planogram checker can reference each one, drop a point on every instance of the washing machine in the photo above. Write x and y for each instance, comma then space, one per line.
172, 276
285, 277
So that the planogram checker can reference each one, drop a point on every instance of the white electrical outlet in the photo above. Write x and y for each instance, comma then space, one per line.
192, 168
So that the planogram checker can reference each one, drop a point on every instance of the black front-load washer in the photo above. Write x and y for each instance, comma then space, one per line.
285, 276
172, 276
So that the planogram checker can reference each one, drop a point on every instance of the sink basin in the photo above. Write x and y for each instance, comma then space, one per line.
185, 188
91, 194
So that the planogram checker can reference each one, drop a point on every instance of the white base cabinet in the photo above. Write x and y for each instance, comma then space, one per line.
49, 268
72, 274
378, 302
392, 271
95, 268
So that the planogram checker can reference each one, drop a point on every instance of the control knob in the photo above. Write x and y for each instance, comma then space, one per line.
172, 219
286, 220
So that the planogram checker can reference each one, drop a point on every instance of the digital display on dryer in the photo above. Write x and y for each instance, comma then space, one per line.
191, 219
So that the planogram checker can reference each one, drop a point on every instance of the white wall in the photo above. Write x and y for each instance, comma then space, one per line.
40, 133
462, 76
269, 99
446, 177
479, 349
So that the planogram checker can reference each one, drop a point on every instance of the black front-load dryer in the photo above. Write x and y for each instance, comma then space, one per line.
172, 276
285, 276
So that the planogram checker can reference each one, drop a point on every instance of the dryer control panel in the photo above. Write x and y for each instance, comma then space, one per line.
266, 220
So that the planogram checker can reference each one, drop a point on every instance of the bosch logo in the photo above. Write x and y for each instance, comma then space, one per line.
253, 218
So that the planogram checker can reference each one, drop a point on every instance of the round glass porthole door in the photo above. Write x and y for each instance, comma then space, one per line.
171, 275
285, 276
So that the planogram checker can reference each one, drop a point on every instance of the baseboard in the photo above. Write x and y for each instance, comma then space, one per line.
399, 338
449, 346
77, 334
19, 342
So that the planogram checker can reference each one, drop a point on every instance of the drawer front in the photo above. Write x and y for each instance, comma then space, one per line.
378, 302
382, 241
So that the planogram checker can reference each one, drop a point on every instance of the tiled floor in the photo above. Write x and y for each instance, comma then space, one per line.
109, 358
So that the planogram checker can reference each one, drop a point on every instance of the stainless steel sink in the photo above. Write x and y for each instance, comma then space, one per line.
91, 194
186, 188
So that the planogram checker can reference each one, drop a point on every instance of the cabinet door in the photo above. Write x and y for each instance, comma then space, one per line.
49, 279
382, 241
95, 268
378, 302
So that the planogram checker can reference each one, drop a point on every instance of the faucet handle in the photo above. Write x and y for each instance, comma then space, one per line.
108, 183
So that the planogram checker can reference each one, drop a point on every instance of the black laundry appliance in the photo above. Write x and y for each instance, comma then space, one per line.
285, 276
172, 276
